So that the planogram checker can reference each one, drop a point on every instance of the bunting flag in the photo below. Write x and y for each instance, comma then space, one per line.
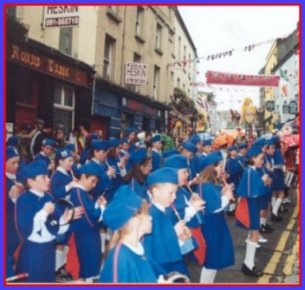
241, 79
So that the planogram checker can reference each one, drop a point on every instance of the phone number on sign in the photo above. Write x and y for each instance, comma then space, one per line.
65, 21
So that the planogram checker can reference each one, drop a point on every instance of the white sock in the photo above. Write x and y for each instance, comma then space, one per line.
263, 221
207, 275
273, 200
232, 206
276, 206
250, 254
103, 240
59, 259
64, 255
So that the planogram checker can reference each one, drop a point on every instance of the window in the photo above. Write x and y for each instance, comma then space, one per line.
108, 57
64, 104
65, 40
136, 58
158, 43
179, 48
139, 21
156, 82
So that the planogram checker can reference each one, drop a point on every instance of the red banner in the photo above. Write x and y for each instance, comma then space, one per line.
241, 79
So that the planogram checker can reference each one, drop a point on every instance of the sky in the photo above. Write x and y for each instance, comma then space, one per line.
216, 29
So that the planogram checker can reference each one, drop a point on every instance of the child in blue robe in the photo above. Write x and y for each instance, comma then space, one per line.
220, 251
127, 216
45, 154
33, 211
140, 165
253, 186
234, 169
156, 152
13, 191
162, 245
61, 183
86, 229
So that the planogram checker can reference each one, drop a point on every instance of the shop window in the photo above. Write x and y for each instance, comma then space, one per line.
64, 105
65, 40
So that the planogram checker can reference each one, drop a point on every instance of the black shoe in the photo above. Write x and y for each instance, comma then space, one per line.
270, 228
264, 229
231, 213
62, 275
275, 218
253, 273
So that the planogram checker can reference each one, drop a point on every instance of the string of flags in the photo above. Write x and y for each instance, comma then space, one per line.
218, 55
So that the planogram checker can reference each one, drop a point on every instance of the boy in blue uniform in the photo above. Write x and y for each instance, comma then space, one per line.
33, 210
61, 183
13, 191
86, 229
45, 154
127, 216
234, 169
156, 152
162, 245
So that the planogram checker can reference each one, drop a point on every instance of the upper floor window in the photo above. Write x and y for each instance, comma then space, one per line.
65, 40
109, 51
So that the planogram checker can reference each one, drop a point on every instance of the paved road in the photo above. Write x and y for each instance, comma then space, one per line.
278, 258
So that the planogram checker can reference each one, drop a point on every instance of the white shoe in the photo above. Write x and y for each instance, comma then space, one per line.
261, 239
258, 245
286, 200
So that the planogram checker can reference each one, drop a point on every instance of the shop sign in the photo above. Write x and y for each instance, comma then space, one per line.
61, 16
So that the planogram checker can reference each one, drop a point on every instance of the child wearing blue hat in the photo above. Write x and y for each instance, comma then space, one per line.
242, 149
234, 169
86, 229
162, 245
140, 165
99, 152
207, 147
127, 216
35, 226
187, 205
45, 154
13, 191
252, 187
220, 251
61, 182
189, 150
156, 152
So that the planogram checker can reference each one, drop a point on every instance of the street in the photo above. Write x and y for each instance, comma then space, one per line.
278, 258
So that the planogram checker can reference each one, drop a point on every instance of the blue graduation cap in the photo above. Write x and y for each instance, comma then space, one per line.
210, 159
100, 145
254, 151
269, 142
114, 142
131, 130
156, 138
242, 146
169, 152
62, 153
124, 140
189, 147
90, 168
163, 175
33, 169
177, 161
70, 147
12, 141
195, 139
11, 152
122, 208
232, 148
207, 142
260, 142
48, 142
137, 157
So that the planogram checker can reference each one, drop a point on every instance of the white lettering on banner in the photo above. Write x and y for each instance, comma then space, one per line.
135, 73
59, 16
